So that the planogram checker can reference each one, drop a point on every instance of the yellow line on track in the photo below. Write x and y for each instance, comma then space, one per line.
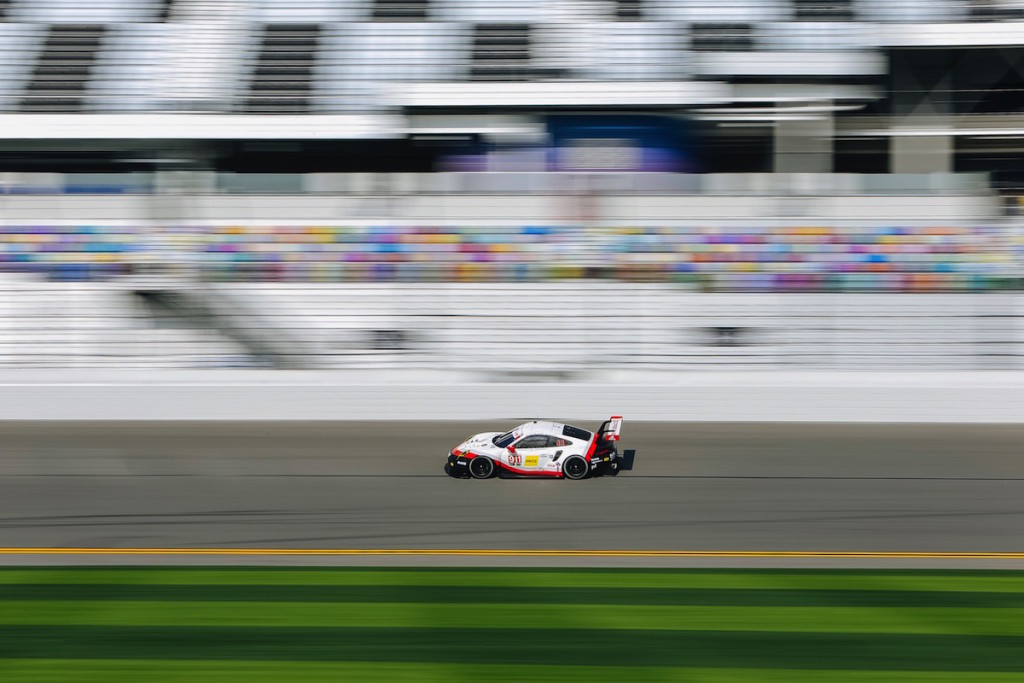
780, 554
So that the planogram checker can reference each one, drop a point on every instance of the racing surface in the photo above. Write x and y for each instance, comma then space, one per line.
733, 487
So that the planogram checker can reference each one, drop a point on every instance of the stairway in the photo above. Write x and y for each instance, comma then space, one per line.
501, 52
283, 78
993, 10
164, 15
232, 317
401, 10
823, 10
629, 10
61, 75
721, 37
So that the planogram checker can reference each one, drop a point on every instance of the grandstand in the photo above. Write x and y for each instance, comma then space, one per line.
891, 81
737, 146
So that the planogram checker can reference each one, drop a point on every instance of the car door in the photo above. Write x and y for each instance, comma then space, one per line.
558, 447
531, 452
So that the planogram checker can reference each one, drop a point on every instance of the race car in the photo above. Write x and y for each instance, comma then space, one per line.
541, 449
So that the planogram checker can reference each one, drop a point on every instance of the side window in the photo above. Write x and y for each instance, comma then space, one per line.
576, 433
535, 441
557, 442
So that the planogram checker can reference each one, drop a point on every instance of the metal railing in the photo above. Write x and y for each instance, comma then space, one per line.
502, 183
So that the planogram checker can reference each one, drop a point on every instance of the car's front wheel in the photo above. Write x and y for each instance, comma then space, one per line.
575, 467
481, 467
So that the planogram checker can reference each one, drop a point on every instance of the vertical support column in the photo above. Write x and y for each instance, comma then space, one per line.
922, 153
803, 143
922, 84
173, 210
203, 66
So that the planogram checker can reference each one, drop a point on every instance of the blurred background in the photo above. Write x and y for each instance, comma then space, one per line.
263, 263
633, 183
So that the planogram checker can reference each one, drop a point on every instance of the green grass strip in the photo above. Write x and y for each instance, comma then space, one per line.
476, 594
538, 646
958, 581
99, 671
927, 620
451, 624
163, 671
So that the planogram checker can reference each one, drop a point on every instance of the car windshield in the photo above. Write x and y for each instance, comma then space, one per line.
504, 440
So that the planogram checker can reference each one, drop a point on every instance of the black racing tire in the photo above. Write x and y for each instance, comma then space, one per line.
481, 467
575, 467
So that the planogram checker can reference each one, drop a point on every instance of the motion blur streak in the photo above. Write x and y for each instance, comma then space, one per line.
811, 488
361, 213
781, 554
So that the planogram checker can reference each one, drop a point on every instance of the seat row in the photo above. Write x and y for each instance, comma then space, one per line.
808, 257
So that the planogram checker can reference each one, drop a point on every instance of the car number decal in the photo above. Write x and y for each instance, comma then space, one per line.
514, 459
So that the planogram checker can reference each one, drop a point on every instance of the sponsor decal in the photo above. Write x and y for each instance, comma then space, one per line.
531, 461
536, 472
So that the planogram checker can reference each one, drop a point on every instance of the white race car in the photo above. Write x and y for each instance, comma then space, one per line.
541, 449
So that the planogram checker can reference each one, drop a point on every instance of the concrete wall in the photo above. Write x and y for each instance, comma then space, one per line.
493, 329
424, 209
973, 397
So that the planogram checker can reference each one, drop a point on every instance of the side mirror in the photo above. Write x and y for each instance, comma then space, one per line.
511, 449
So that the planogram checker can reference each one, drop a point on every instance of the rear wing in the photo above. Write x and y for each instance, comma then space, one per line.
610, 429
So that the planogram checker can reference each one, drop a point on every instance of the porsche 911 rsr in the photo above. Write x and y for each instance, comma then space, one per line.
541, 449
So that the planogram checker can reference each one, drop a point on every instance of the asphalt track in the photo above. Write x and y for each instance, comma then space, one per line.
725, 488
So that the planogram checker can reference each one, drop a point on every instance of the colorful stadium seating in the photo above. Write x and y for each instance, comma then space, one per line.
801, 258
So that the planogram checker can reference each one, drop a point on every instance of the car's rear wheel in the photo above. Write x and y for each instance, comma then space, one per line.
481, 467
575, 467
